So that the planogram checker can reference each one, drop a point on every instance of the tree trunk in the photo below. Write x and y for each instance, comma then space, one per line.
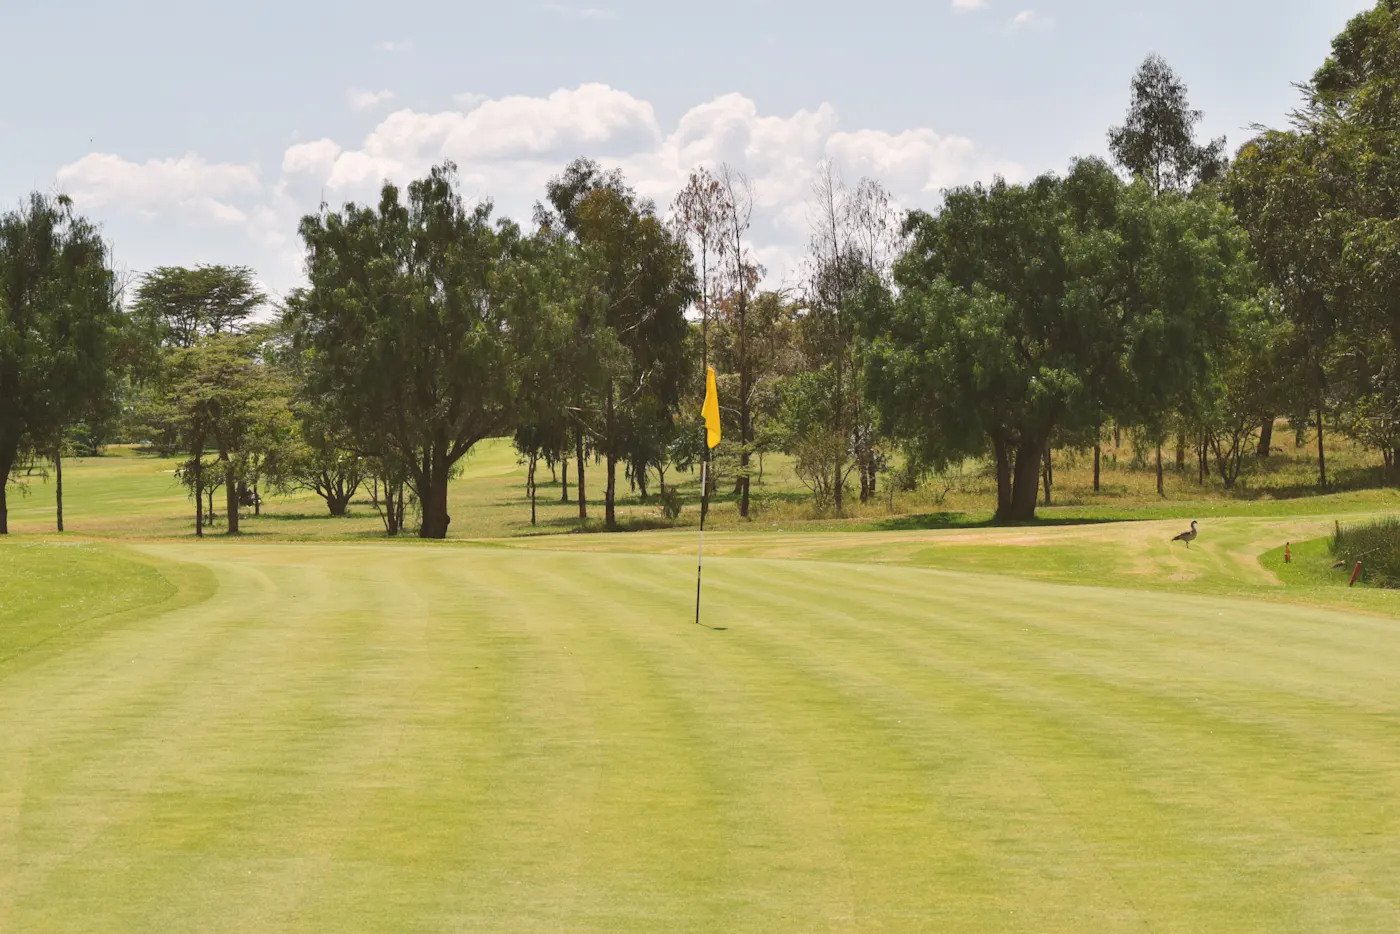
1266, 437
1180, 451
553, 472
1098, 456
1048, 474
840, 473
257, 500
1321, 452
610, 499
231, 497
533, 461
1025, 484
198, 499
1117, 436
338, 502
212, 515
564, 472
7, 463
433, 498
582, 494
58, 484
1161, 489
1201, 461
1003, 480
432, 493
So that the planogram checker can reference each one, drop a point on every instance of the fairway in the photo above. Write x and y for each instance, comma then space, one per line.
404, 737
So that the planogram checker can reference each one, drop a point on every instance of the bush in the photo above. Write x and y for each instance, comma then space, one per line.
671, 503
1376, 545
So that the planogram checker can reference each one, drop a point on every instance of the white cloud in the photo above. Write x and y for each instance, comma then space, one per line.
314, 158
507, 148
363, 100
468, 100
394, 46
969, 4
1028, 18
569, 12
185, 183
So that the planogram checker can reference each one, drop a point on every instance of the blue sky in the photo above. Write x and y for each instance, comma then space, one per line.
200, 132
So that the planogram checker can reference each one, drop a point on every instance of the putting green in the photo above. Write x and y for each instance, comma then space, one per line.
406, 737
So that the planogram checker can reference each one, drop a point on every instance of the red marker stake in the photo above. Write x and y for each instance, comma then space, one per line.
1355, 574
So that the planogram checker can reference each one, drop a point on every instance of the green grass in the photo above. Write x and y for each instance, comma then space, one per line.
54, 593
380, 738
134, 496
900, 720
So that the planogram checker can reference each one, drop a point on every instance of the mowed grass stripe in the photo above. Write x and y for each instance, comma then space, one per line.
439, 738
1072, 718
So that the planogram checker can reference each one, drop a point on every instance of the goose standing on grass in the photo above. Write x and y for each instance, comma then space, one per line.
1187, 537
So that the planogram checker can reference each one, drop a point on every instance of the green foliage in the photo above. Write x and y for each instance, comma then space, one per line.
176, 306
1376, 544
670, 499
1157, 142
60, 328
1029, 310
626, 351
416, 329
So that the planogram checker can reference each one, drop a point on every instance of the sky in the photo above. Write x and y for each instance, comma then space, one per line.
197, 132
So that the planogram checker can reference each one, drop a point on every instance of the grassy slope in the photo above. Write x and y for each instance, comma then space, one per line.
55, 595
467, 738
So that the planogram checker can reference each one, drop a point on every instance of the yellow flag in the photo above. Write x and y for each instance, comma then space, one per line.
711, 410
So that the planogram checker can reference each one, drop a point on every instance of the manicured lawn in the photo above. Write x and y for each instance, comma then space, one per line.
878, 735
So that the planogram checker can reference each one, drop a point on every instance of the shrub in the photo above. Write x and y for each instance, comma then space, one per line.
1376, 545
671, 503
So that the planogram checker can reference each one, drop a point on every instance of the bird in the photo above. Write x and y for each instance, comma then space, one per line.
1187, 537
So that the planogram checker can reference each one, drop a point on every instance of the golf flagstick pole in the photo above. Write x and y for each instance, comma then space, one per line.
710, 413
700, 555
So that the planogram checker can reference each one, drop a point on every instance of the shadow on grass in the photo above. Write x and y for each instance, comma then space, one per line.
962, 520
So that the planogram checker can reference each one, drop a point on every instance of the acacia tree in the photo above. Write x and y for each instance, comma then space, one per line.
59, 329
217, 394
416, 338
177, 305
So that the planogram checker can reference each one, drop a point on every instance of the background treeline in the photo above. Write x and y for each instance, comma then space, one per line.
1179, 297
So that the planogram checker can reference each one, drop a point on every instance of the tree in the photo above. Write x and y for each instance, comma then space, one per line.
59, 330
416, 336
703, 214
741, 278
1157, 141
856, 233
216, 394
1027, 310
629, 333
177, 306
1320, 201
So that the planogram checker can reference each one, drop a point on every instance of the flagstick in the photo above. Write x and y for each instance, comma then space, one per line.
700, 555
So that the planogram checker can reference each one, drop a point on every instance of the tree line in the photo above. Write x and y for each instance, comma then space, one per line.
1173, 294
